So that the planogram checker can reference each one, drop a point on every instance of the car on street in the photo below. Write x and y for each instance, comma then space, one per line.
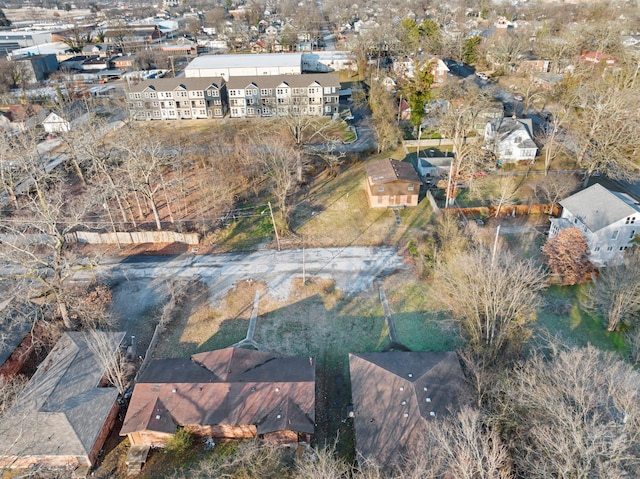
482, 76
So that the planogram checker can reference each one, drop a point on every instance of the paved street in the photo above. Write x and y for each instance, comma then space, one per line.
353, 269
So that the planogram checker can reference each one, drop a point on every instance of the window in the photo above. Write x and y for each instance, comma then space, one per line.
630, 220
146, 95
380, 188
155, 103
597, 248
264, 92
156, 114
139, 104
217, 111
410, 187
621, 248
615, 234
633, 233
250, 111
610, 248
153, 94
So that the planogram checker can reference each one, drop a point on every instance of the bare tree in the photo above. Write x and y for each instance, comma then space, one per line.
384, 111
105, 349
500, 190
459, 123
615, 293
463, 446
331, 155
554, 188
605, 129
280, 162
10, 389
147, 157
568, 255
576, 414
493, 296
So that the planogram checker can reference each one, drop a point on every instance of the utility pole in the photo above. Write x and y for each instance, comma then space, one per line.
449, 185
275, 229
495, 247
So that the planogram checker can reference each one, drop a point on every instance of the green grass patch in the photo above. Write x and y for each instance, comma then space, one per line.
335, 211
563, 315
244, 234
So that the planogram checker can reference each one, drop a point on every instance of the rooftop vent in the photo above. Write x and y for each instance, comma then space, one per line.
432, 413
278, 416
425, 388
174, 390
401, 388
410, 375
157, 416
404, 403
406, 414
277, 390
428, 399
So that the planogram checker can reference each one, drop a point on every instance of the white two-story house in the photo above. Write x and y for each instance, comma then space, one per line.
608, 219
510, 140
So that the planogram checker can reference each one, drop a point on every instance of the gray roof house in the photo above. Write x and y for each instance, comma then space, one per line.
608, 219
63, 416
395, 394
510, 139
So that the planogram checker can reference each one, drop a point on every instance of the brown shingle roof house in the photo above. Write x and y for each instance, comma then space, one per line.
62, 417
395, 394
392, 183
229, 393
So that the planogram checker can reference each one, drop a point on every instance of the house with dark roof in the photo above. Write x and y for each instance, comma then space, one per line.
608, 219
511, 140
230, 393
63, 416
395, 394
391, 184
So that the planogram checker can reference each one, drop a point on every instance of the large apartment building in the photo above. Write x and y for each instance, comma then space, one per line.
178, 99
281, 95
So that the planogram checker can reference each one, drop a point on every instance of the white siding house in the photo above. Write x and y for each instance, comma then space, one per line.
510, 140
608, 219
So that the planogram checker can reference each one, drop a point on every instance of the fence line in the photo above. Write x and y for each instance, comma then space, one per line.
133, 237
432, 202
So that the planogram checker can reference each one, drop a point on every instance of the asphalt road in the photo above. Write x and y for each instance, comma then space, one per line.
353, 269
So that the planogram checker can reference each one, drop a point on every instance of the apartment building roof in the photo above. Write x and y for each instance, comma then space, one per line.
294, 81
168, 84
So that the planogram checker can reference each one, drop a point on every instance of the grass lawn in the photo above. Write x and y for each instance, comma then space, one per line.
335, 211
563, 316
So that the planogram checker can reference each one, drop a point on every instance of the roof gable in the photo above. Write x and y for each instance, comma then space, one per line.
239, 387
395, 393
598, 207
388, 170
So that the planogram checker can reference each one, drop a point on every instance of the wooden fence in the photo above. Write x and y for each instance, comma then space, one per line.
134, 237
